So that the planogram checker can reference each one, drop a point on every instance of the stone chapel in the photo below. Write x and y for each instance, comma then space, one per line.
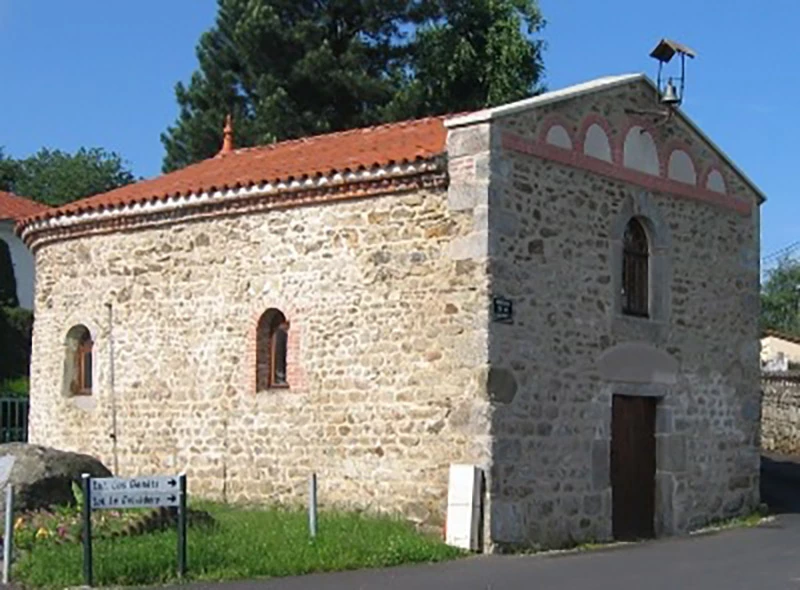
561, 291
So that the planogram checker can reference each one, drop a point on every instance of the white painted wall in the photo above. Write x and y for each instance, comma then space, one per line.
681, 167
640, 152
597, 144
558, 136
773, 347
22, 259
715, 182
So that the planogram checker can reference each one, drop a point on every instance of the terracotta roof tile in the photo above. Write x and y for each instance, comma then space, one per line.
321, 155
14, 207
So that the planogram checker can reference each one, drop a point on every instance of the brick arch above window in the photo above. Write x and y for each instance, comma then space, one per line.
79, 362
714, 180
640, 150
556, 131
270, 325
272, 341
681, 166
594, 139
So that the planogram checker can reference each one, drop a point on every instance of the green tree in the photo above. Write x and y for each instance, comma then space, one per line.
780, 298
54, 177
290, 68
471, 54
8, 171
286, 68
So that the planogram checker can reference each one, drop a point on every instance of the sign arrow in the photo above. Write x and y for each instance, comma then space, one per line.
133, 492
152, 483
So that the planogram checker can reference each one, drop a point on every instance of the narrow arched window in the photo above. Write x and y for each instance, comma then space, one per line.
635, 270
79, 362
272, 340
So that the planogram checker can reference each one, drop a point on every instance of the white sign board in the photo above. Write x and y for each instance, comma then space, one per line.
464, 506
134, 492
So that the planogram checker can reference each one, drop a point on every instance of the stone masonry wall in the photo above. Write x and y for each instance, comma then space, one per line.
780, 413
551, 252
387, 352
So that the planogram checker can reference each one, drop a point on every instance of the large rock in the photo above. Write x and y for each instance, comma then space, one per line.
42, 476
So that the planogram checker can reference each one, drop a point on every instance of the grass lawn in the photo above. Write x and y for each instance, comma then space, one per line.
247, 543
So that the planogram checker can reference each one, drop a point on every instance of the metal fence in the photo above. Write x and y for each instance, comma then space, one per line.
13, 419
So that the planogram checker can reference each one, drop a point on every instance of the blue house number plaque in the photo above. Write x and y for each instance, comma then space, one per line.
502, 310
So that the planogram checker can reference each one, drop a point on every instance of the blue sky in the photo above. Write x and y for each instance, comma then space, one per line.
102, 73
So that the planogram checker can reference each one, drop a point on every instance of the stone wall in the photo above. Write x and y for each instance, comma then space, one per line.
387, 351
555, 251
780, 413
395, 367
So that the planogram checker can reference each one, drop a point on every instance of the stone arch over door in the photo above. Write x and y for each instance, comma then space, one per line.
639, 363
642, 370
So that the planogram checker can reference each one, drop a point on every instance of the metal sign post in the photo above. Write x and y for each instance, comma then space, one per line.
8, 537
312, 505
182, 525
117, 493
87, 529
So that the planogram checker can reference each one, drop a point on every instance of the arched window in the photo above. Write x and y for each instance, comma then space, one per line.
79, 362
635, 270
272, 337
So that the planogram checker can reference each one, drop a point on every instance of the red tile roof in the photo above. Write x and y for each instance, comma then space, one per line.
321, 155
14, 207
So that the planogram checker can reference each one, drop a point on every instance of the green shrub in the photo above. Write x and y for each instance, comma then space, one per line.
16, 387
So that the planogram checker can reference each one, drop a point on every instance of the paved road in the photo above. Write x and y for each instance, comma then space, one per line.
763, 558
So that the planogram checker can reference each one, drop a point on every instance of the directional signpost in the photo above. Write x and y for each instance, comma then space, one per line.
117, 493
135, 492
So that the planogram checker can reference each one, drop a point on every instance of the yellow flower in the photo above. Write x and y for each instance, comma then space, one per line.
42, 533
20, 522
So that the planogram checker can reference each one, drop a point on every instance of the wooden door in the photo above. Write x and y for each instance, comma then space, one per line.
633, 467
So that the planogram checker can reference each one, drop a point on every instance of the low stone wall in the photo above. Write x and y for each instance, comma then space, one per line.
780, 412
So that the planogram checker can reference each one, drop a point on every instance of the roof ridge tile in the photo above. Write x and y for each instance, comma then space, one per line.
340, 152
13, 206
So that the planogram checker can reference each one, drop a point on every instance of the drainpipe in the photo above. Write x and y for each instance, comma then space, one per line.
113, 434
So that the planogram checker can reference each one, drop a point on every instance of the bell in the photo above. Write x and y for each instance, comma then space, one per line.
670, 97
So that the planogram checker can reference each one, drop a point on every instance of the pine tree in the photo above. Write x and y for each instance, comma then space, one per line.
288, 69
